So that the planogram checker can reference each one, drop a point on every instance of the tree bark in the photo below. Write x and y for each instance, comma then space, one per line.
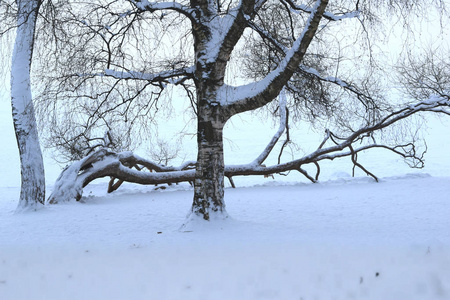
209, 176
208, 78
32, 192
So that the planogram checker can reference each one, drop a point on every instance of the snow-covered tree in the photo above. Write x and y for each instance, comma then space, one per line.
118, 58
25, 12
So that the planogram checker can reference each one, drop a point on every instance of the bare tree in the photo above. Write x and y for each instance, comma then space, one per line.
425, 76
121, 56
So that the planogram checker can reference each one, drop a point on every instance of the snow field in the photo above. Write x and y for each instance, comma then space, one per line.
303, 241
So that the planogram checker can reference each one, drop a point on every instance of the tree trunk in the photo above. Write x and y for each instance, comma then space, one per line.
32, 191
209, 178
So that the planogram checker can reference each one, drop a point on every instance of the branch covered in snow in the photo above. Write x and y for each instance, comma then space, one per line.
254, 95
226, 30
144, 5
166, 76
103, 162
365, 99
327, 15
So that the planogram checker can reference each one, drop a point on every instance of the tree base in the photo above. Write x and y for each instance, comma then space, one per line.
196, 221
29, 207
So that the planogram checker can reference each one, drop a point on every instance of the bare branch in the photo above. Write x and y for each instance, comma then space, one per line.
306, 175
283, 121
355, 162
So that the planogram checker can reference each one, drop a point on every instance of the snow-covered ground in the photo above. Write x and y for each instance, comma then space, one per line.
343, 238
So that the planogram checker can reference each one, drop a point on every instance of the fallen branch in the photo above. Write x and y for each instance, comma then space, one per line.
104, 162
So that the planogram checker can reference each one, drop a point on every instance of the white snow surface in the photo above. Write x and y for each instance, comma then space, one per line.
343, 238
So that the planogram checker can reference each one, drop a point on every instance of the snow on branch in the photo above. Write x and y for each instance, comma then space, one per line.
283, 49
145, 5
254, 95
104, 162
331, 79
311, 71
435, 104
226, 30
129, 167
175, 76
327, 15
153, 77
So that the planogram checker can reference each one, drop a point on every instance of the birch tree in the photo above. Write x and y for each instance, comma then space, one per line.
115, 62
32, 193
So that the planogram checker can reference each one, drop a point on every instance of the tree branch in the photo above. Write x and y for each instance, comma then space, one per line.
354, 156
152, 77
252, 96
283, 121
144, 5
104, 163
327, 15
366, 100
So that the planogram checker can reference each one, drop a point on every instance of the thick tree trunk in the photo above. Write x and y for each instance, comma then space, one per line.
209, 178
32, 191
208, 77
